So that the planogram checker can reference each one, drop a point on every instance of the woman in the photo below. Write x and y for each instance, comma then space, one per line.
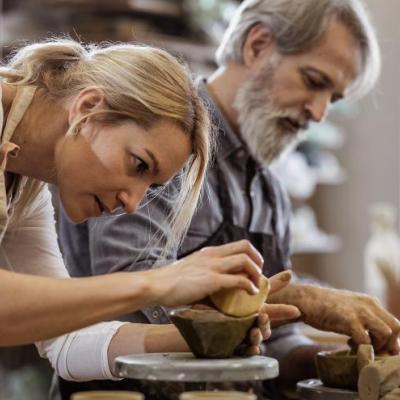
104, 124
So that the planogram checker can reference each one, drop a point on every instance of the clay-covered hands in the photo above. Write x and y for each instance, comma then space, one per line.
233, 265
270, 313
354, 314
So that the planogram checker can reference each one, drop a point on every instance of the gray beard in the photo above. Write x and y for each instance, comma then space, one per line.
258, 119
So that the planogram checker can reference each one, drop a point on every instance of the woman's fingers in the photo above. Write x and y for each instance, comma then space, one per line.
229, 281
240, 264
238, 247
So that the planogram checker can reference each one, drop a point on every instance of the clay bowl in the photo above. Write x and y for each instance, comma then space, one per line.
209, 333
222, 395
337, 369
107, 395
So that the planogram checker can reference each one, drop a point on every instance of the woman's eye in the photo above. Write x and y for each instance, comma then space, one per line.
139, 165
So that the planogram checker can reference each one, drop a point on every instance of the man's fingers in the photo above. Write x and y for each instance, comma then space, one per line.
394, 345
255, 337
359, 335
199, 306
280, 312
387, 317
379, 332
253, 351
279, 281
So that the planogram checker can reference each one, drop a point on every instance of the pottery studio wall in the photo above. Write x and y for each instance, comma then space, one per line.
371, 158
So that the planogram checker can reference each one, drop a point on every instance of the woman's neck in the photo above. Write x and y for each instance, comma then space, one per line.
42, 126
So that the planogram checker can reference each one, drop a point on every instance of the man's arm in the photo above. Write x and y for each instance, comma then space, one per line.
354, 314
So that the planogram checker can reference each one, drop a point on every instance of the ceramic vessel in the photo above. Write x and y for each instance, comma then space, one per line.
223, 395
209, 333
340, 369
107, 395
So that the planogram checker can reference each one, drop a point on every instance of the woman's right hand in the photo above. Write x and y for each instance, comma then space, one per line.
233, 265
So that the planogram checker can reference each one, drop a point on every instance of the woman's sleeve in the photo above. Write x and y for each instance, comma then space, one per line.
30, 246
81, 355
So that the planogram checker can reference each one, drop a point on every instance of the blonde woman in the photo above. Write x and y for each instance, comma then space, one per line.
103, 124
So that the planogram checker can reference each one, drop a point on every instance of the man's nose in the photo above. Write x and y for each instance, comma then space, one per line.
317, 107
131, 198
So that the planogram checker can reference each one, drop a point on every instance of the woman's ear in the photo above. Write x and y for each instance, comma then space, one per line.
259, 42
87, 101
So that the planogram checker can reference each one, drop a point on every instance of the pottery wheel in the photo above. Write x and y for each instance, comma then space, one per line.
184, 367
313, 389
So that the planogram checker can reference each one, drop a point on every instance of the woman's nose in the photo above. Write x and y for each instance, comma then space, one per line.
131, 199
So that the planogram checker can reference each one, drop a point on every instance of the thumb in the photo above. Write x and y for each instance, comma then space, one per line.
279, 281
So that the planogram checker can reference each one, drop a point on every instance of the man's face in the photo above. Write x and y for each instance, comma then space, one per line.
286, 92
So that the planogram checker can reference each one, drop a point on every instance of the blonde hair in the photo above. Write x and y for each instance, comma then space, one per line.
298, 25
139, 82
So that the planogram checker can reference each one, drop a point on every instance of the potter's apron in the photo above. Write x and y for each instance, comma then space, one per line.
227, 231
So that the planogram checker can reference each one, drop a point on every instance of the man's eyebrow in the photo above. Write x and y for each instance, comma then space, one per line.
156, 166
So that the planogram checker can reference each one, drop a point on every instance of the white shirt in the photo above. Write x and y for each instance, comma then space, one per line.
29, 245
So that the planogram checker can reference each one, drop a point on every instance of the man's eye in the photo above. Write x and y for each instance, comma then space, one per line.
139, 165
314, 83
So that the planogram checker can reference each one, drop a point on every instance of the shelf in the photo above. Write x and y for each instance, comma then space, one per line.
337, 177
321, 243
163, 8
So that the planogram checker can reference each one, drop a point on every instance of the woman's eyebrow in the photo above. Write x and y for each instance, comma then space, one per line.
156, 168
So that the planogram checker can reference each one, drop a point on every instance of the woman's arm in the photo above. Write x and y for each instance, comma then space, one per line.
35, 308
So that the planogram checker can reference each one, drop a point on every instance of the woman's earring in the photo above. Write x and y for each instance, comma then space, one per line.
76, 130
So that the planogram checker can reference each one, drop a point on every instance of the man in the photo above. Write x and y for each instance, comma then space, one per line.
281, 64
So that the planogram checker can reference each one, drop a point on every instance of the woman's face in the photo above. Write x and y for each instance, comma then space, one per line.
109, 166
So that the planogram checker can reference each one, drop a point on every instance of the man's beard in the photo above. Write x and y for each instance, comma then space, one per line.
260, 119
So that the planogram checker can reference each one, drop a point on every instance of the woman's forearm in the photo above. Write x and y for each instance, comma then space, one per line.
35, 308
145, 338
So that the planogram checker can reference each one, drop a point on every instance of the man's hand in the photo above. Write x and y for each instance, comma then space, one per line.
354, 314
268, 314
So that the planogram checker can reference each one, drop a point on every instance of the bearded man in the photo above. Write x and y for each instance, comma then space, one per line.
281, 64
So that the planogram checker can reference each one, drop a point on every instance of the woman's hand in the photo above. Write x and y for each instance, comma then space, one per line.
270, 313
233, 265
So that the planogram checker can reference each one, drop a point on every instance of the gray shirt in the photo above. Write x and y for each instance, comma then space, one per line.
134, 242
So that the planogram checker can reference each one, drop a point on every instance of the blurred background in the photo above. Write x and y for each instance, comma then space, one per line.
340, 180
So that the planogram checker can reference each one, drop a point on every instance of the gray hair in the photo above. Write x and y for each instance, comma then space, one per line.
298, 24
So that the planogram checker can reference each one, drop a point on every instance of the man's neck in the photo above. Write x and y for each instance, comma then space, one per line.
223, 86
